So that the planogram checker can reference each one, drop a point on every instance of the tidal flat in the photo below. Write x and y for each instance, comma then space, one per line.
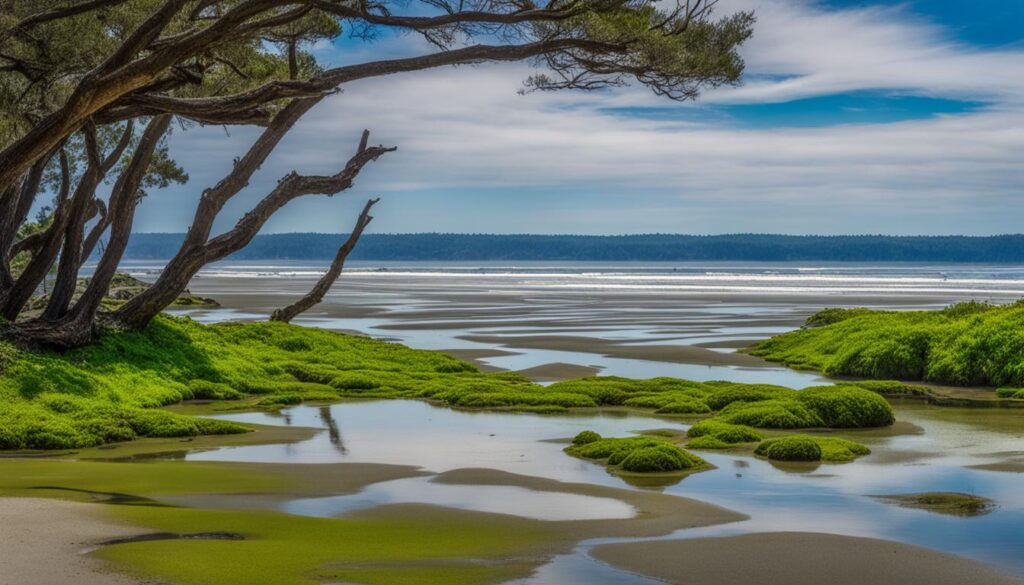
356, 490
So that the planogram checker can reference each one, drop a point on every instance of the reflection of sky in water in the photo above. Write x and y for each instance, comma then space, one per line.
831, 498
517, 501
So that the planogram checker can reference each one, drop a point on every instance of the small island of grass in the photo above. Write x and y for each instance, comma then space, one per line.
635, 454
949, 503
811, 448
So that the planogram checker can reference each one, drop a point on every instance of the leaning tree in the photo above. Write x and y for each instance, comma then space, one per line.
91, 89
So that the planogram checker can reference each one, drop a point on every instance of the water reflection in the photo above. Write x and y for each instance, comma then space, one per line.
517, 501
832, 498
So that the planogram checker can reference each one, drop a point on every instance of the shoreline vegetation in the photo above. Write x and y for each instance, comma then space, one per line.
965, 344
111, 391
156, 384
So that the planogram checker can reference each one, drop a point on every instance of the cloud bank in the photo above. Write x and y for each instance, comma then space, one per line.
476, 157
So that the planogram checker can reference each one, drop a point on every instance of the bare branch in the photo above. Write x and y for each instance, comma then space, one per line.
320, 289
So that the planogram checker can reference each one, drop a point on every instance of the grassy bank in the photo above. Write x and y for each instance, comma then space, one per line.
967, 344
111, 391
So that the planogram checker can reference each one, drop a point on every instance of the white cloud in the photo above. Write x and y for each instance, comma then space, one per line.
466, 129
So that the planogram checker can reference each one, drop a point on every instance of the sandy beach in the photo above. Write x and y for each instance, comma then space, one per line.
35, 552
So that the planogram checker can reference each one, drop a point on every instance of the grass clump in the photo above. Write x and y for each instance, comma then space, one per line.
729, 434
684, 406
659, 459
1017, 393
771, 414
827, 449
794, 448
967, 344
586, 437
637, 454
847, 406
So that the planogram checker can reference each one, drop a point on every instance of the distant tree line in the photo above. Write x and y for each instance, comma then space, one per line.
650, 247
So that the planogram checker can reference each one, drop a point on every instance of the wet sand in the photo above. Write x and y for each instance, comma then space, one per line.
796, 558
36, 551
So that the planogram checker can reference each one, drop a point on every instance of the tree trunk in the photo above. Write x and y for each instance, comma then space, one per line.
121, 212
322, 286
44, 257
75, 327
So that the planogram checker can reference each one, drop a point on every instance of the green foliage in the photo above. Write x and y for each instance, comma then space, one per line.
889, 387
213, 390
771, 414
684, 406
811, 448
833, 315
746, 393
1017, 393
724, 432
969, 344
659, 459
104, 392
847, 406
585, 437
794, 448
636, 454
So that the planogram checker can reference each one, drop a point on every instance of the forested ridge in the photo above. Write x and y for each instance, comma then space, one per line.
647, 247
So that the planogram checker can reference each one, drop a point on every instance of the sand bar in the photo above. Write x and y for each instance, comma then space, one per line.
796, 558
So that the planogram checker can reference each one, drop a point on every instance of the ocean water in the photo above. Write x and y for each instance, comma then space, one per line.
985, 281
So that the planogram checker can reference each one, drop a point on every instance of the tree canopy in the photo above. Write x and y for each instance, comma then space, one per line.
89, 90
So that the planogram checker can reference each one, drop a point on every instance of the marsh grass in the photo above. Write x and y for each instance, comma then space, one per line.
635, 454
811, 448
966, 344
111, 391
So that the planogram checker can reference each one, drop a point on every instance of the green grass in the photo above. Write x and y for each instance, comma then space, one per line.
811, 448
294, 550
727, 433
636, 454
967, 344
1015, 393
586, 437
110, 391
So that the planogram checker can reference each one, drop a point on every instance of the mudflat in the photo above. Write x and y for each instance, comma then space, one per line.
796, 558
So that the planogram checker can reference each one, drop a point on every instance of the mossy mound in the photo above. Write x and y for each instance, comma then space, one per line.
756, 405
638, 454
684, 406
585, 437
827, 449
795, 448
659, 459
967, 344
772, 414
724, 432
847, 406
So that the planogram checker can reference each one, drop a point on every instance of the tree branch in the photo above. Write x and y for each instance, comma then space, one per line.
321, 288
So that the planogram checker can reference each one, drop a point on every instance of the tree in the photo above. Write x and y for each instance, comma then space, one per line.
89, 88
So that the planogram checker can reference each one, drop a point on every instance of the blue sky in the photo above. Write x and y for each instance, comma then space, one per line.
854, 117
